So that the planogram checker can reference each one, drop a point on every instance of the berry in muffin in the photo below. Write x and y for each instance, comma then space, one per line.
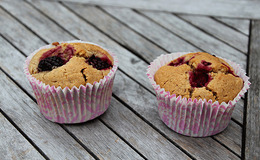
199, 76
70, 64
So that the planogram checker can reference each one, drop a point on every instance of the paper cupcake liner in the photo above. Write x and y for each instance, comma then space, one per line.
198, 117
76, 105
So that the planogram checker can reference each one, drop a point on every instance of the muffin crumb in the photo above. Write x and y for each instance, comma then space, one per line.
55, 43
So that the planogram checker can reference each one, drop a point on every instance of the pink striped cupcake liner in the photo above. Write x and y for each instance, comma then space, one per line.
75, 105
198, 117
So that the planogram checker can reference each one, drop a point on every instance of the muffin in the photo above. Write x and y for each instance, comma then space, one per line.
72, 81
70, 64
199, 76
196, 92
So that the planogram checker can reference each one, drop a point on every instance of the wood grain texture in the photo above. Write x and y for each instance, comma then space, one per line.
154, 32
239, 111
220, 31
145, 104
231, 137
118, 31
252, 141
231, 8
12, 144
241, 25
35, 21
104, 143
10, 30
139, 134
197, 37
93, 140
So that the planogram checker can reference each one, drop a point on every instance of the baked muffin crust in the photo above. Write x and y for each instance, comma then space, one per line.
199, 75
82, 63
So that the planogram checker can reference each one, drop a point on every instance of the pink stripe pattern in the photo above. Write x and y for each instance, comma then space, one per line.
198, 117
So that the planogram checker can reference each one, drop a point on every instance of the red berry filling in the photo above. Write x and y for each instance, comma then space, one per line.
99, 63
200, 77
180, 61
51, 52
55, 58
229, 70
50, 63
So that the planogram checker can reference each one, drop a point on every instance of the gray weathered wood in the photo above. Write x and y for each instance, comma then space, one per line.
118, 31
9, 29
102, 141
139, 134
231, 137
12, 144
239, 111
241, 25
151, 30
197, 37
118, 150
252, 141
231, 8
220, 31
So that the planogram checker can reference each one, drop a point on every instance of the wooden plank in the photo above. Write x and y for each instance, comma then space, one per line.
241, 25
104, 143
117, 149
28, 14
181, 28
252, 141
125, 35
12, 144
49, 137
146, 106
154, 32
84, 31
231, 8
220, 31
231, 137
9, 30
239, 111
139, 134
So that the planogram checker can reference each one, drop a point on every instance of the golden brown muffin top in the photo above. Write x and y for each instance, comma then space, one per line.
70, 64
199, 75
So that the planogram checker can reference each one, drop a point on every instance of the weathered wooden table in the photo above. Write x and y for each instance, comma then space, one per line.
137, 31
